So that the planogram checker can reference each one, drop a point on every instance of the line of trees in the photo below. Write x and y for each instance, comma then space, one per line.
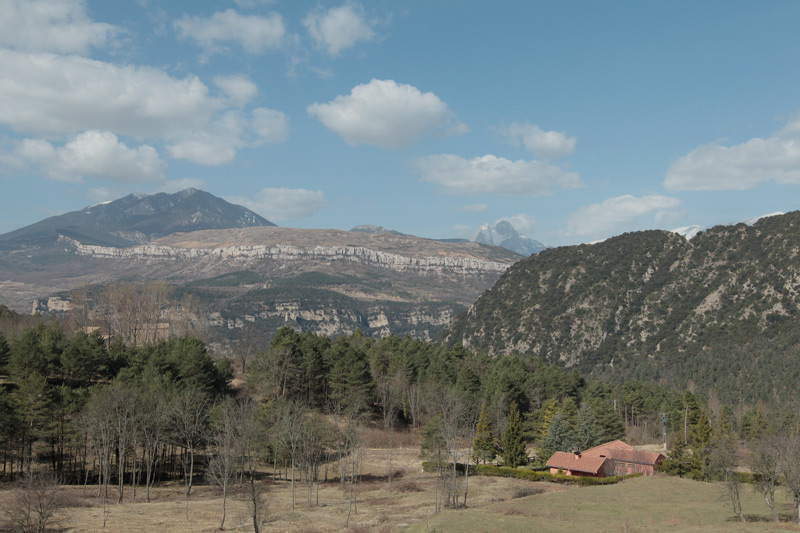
126, 416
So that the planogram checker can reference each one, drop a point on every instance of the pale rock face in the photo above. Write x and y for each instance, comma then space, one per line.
504, 235
286, 253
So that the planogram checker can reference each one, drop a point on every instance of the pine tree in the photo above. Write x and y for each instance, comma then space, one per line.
483, 444
609, 420
559, 437
513, 440
5, 353
548, 411
588, 432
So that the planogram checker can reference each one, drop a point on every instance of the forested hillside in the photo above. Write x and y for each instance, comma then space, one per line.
719, 311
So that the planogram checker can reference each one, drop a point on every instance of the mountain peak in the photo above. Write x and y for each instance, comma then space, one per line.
504, 235
138, 218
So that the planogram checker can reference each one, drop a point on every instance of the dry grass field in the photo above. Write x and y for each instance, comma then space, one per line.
378, 509
643, 504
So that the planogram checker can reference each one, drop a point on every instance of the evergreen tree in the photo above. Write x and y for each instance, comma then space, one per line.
608, 419
559, 437
350, 380
548, 411
513, 440
588, 432
5, 354
483, 444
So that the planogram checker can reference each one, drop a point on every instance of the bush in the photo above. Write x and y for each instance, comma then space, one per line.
34, 503
532, 475
526, 491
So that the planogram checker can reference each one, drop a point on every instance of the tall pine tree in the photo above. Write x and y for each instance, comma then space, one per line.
513, 440
483, 444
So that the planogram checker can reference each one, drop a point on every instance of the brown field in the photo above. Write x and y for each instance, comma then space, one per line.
643, 504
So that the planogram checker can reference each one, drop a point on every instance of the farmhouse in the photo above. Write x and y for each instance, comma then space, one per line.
610, 459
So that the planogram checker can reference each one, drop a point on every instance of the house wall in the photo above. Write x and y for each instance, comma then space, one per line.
573, 473
622, 468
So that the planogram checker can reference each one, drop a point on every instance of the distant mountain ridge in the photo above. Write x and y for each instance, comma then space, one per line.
503, 234
720, 311
137, 219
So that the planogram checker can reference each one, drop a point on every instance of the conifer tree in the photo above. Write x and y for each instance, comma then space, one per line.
483, 444
5, 353
548, 411
588, 432
513, 440
559, 436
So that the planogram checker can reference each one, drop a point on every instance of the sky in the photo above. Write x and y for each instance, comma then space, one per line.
575, 121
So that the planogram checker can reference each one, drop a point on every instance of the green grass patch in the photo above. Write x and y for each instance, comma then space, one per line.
641, 504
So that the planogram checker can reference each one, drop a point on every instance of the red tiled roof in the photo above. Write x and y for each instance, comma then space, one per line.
578, 463
621, 451
603, 448
635, 456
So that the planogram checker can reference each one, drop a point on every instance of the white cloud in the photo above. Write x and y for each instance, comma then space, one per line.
338, 28
282, 203
94, 154
544, 144
492, 174
269, 126
387, 114
217, 144
63, 95
615, 214
474, 208
45, 93
715, 167
255, 34
51, 26
239, 89
522, 223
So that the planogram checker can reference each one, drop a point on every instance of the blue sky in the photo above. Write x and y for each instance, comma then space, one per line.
574, 120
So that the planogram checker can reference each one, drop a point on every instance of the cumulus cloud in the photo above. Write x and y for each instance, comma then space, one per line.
239, 89
492, 174
716, 167
386, 113
46, 93
282, 203
338, 28
618, 214
522, 223
217, 144
255, 34
51, 26
94, 154
63, 95
544, 144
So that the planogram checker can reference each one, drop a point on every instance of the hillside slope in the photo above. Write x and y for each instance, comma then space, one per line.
718, 311
325, 281
136, 219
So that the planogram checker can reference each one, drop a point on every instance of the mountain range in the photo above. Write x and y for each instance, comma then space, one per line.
720, 311
241, 270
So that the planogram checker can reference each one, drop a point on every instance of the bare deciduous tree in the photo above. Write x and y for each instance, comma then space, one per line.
766, 470
189, 420
34, 503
